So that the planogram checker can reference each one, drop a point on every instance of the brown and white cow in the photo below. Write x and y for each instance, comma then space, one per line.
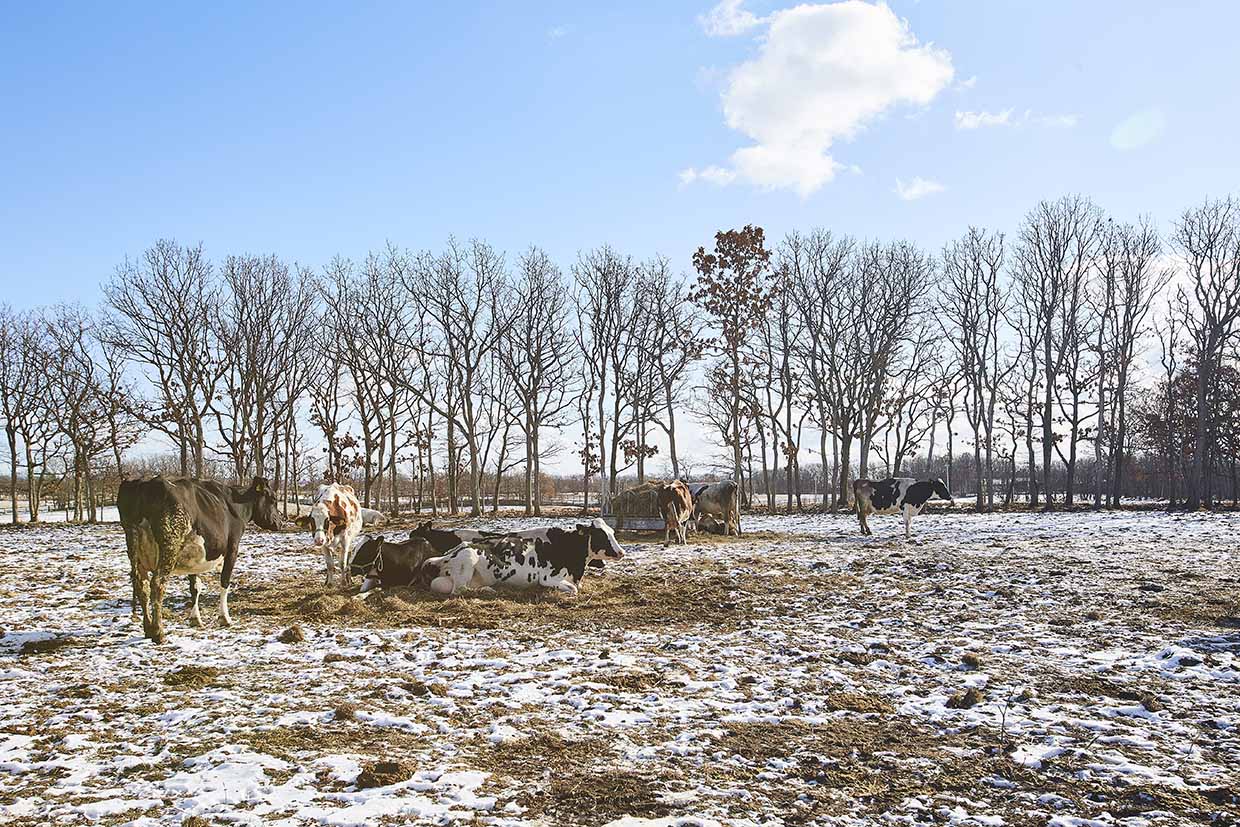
336, 520
676, 508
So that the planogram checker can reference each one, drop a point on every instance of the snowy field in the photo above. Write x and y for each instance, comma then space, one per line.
1011, 669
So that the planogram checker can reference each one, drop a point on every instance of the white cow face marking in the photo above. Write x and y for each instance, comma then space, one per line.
603, 543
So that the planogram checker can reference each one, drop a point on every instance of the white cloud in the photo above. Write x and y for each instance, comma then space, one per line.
556, 32
1138, 129
917, 188
712, 175
822, 73
983, 119
967, 83
728, 19
1062, 121
977, 120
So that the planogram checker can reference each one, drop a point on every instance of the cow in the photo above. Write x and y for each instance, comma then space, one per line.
894, 495
557, 561
676, 507
186, 526
718, 500
444, 540
336, 520
389, 564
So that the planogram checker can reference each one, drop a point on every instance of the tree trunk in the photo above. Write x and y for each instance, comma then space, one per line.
11, 433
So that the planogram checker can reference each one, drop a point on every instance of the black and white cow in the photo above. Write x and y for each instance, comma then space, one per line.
556, 561
444, 540
186, 526
718, 501
894, 495
388, 564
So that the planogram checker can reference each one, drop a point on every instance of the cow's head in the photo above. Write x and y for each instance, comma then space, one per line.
603, 545
941, 489
368, 559
325, 521
265, 511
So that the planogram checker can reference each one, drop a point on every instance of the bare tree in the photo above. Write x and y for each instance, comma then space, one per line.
1208, 239
1058, 242
165, 303
1139, 278
263, 330
538, 355
466, 299
974, 304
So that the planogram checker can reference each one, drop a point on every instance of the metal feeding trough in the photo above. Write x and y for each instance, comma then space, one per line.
633, 522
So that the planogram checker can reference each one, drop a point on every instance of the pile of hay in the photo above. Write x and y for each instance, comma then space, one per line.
641, 501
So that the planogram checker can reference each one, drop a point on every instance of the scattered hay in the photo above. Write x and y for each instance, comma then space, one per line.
967, 699
657, 597
570, 782
321, 606
195, 821
293, 634
971, 661
420, 689
856, 658
192, 677
383, 774
592, 798
1101, 687
633, 681
345, 711
45, 647
858, 702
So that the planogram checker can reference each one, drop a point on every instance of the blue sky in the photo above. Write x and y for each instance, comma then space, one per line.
315, 130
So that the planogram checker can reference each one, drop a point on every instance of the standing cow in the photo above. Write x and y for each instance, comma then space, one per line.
894, 495
186, 526
676, 507
336, 520
718, 500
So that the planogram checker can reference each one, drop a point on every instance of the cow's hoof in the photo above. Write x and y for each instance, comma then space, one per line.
195, 621
157, 637
225, 620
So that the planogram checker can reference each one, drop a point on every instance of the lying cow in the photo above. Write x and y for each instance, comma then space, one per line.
336, 520
385, 564
557, 561
720, 501
444, 540
676, 508
186, 526
894, 495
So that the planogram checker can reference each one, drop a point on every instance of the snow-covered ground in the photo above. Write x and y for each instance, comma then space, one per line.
1078, 669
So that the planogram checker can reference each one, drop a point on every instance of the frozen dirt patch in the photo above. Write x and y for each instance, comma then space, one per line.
801, 675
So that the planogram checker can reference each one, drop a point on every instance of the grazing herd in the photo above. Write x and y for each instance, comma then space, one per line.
194, 527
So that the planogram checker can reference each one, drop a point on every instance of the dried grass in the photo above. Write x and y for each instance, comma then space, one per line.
191, 677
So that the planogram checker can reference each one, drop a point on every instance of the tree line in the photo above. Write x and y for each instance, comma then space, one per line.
1074, 359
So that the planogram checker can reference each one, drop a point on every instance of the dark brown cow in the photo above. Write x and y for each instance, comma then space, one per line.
186, 526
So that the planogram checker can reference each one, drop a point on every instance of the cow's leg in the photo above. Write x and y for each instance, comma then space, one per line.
158, 583
345, 578
327, 565
195, 619
142, 596
908, 518
226, 573
137, 602
667, 534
